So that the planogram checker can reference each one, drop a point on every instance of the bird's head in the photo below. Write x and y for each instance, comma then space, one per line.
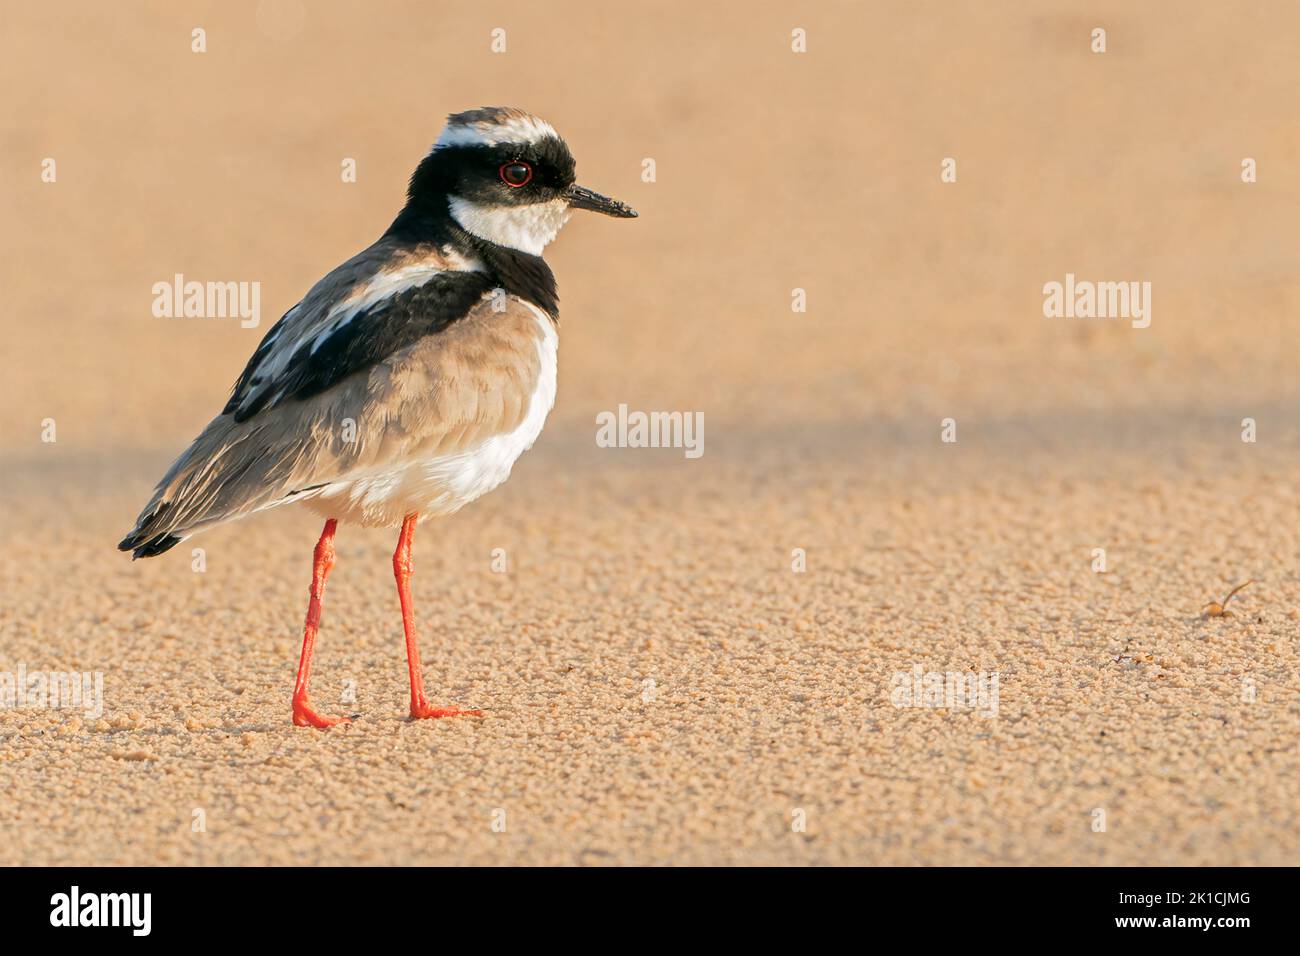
506, 177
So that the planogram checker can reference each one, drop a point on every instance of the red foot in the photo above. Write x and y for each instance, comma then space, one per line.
422, 709
304, 716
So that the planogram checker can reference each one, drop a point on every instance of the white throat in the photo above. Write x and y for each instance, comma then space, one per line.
525, 228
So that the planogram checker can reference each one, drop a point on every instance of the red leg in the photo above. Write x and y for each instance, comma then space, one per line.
402, 571
303, 715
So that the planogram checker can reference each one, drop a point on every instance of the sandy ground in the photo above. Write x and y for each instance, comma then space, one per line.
660, 685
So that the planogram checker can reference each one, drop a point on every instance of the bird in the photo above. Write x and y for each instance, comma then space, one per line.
408, 380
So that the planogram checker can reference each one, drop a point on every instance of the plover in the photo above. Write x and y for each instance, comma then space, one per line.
408, 380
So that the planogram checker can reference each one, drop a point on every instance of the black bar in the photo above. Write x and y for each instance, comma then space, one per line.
336, 906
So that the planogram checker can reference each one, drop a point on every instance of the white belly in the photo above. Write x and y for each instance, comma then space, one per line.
445, 484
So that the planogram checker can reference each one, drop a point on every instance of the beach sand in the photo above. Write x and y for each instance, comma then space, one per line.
660, 684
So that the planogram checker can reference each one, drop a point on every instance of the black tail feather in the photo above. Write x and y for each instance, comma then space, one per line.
150, 548
145, 540
144, 544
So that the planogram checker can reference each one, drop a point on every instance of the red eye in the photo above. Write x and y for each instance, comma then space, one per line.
516, 174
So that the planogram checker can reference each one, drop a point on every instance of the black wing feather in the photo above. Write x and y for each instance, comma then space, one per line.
363, 341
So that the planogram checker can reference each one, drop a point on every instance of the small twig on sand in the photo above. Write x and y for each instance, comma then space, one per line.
1220, 608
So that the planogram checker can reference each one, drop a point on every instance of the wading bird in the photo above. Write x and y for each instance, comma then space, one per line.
408, 380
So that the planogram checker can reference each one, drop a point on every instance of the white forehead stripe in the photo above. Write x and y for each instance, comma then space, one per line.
513, 129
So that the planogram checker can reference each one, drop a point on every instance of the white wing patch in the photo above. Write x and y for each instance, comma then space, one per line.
313, 334
384, 285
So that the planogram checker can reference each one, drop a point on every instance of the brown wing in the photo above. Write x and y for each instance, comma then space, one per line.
446, 392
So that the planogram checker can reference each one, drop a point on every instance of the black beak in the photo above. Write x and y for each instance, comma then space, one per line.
580, 197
